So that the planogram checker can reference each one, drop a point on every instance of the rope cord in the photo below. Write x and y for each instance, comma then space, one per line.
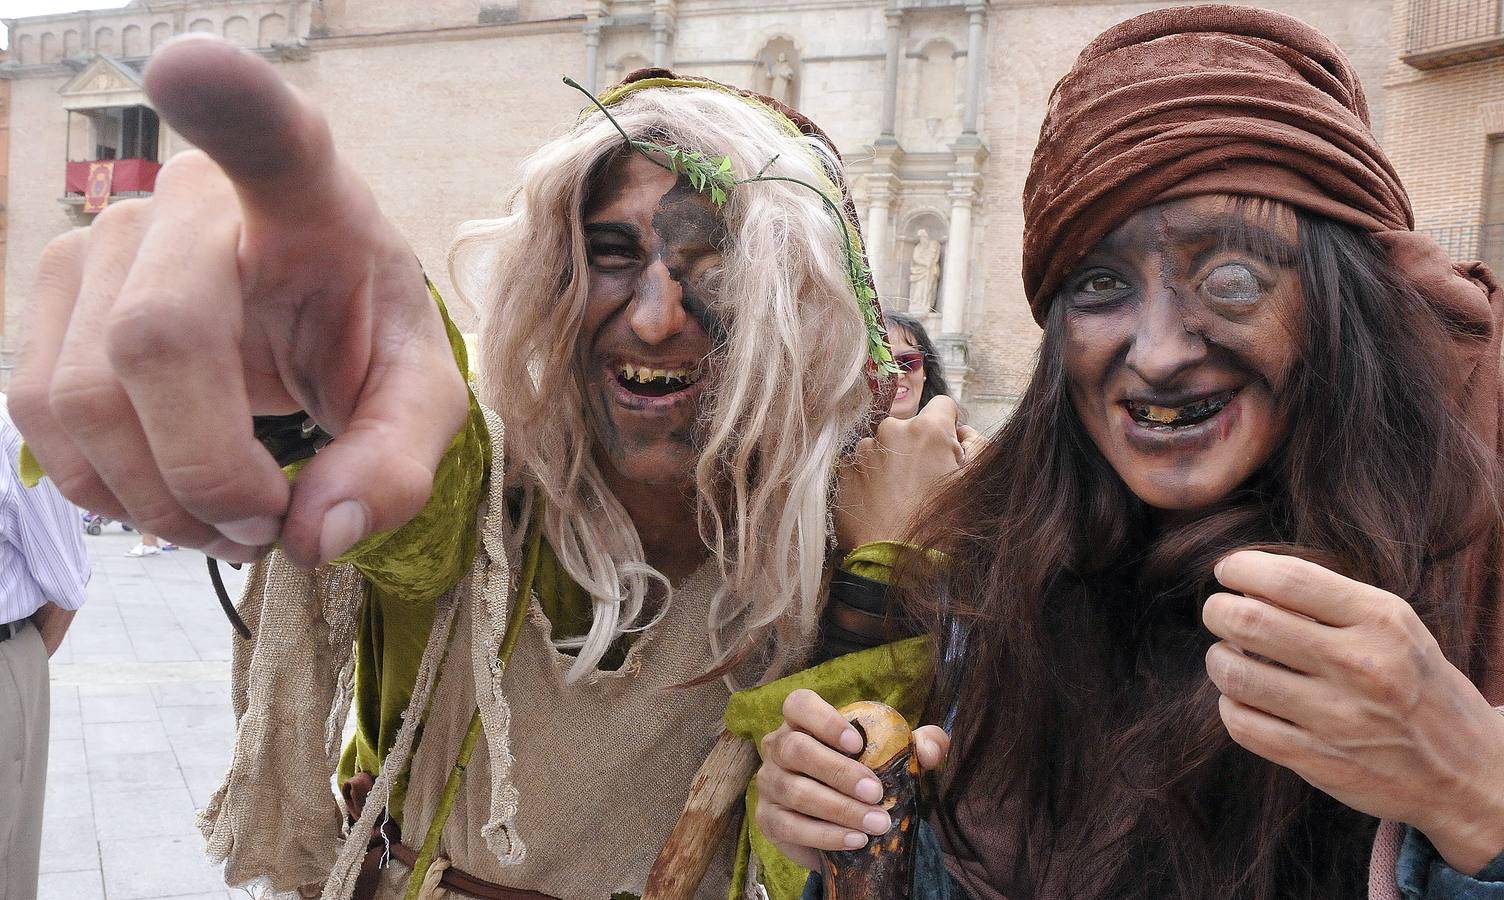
472, 735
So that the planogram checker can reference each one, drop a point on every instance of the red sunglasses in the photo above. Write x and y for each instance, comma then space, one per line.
908, 362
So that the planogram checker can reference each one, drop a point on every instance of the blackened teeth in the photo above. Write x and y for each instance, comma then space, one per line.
1169, 418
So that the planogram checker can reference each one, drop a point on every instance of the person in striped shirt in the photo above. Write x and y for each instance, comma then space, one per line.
43, 575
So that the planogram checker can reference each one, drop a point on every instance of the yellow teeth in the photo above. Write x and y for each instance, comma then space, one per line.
1161, 414
643, 374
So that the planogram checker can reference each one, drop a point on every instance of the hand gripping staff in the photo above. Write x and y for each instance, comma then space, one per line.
884, 869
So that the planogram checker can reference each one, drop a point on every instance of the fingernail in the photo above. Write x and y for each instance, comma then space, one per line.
876, 823
1217, 568
257, 531
851, 742
344, 524
855, 839
868, 790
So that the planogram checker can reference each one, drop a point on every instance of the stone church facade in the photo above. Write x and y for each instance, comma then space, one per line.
935, 104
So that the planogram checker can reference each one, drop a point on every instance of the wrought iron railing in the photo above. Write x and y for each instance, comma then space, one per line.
1439, 24
1469, 242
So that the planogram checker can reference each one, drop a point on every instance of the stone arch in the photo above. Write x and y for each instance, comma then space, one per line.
933, 102
934, 223
132, 42
51, 51
272, 27
160, 32
72, 42
202, 25
237, 30
26, 50
779, 70
104, 42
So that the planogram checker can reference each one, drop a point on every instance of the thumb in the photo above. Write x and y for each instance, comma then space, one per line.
941, 411
268, 138
932, 745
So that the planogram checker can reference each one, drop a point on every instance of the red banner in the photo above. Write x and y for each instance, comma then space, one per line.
97, 189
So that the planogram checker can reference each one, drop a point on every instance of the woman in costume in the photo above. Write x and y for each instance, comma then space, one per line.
1227, 585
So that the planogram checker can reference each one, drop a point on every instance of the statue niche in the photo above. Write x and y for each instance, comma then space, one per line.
924, 272
921, 259
778, 71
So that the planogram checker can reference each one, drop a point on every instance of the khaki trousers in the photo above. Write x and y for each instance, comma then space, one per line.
23, 758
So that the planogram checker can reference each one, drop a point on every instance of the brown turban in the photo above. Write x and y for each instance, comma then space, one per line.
1236, 100
1200, 100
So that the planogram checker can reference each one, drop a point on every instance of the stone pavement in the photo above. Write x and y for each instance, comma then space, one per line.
141, 730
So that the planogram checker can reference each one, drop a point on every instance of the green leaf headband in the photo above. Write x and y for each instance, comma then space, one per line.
713, 175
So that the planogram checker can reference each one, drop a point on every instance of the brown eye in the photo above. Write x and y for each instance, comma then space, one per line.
1101, 284
610, 255
1233, 282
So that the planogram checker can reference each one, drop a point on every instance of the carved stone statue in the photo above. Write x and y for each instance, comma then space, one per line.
924, 272
781, 79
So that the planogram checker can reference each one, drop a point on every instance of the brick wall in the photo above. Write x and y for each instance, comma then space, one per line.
1439, 124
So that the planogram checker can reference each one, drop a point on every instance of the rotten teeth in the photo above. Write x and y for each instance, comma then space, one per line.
1170, 415
645, 374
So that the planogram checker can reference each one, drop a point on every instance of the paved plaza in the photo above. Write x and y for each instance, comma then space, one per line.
141, 730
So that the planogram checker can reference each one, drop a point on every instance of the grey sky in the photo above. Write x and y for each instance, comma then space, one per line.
15, 9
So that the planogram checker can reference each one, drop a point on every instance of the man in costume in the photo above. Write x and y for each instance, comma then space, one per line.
680, 338
1246, 346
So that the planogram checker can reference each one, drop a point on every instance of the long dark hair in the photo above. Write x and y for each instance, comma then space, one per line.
1090, 760
934, 373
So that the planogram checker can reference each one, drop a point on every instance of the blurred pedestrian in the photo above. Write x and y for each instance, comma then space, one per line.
43, 572
150, 545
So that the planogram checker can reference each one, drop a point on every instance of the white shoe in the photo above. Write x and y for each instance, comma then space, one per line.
143, 550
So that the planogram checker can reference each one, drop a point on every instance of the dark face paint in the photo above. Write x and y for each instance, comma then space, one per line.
1181, 329
654, 246
691, 233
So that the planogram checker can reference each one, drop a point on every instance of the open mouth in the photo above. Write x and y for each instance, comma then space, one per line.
645, 381
1173, 418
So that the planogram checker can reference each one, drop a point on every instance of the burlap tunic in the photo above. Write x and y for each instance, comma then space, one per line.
571, 791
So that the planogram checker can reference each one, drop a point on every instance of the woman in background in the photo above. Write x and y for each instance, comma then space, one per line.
921, 378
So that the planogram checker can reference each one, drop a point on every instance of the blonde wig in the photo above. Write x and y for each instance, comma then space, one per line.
787, 393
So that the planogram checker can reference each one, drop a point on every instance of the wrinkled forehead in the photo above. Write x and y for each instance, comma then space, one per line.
1215, 221
630, 185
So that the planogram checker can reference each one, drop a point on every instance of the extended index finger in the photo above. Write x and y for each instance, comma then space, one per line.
272, 142
1297, 585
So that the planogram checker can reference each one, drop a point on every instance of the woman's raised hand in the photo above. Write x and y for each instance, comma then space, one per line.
260, 278
811, 795
1342, 683
889, 476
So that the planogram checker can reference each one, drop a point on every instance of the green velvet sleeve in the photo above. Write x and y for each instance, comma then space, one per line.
429, 555
896, 674
876, 560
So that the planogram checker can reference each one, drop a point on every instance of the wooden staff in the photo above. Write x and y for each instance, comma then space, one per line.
714, 795
884, 869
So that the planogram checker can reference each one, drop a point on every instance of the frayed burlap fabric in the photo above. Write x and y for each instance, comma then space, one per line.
275, 822
572, 789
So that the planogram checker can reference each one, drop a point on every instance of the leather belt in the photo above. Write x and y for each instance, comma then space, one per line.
8, 630
388, 841
453, 880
